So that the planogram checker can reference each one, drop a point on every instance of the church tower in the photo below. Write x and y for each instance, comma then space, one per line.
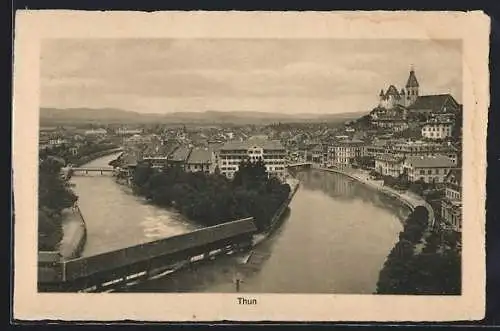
411, 88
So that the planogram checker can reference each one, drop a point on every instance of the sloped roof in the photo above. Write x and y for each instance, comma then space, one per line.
433, 102
180, 154
438, 161
265, 144
128, 159
457, 173
350, 142
389, 158
214, 147
199, 156
392, 90
412, 80
86, 266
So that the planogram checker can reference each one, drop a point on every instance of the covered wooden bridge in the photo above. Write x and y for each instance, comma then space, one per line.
145, 261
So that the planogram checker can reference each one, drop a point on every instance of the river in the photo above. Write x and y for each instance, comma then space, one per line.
334, 238
115, 218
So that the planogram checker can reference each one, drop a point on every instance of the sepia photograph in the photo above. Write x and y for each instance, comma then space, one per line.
251, 165
250, 170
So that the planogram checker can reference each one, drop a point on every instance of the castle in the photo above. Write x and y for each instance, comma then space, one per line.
406, 97
395, 106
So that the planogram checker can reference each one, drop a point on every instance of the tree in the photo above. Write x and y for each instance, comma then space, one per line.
49, 230
250, 174
142, 173
395, 275
435, 270
54, 195
211, 199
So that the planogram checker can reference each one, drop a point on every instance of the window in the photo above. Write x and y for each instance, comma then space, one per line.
429, 172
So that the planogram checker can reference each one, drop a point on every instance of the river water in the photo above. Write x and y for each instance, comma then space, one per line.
115, 218
334, 238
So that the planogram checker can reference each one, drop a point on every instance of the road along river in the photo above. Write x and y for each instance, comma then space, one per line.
334, 239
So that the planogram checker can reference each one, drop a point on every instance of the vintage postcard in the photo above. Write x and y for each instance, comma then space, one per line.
250, 166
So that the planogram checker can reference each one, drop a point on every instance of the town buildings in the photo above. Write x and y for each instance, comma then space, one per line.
430, 169
389, 165
96, 132
200, 159
437, 129
158, 154
397, 107
271, 152
341, 154
128, 132
433, 105
422, 148
451, 204
179, 157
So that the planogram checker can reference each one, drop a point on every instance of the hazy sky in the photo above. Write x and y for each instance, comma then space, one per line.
295, 75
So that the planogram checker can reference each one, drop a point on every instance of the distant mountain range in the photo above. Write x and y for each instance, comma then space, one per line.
111, 115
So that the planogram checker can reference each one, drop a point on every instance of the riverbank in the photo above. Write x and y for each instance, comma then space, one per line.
407, 198
88, 158
73, 224
294, 186
74, 234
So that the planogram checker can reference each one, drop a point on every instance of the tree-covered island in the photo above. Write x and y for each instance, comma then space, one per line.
211, 199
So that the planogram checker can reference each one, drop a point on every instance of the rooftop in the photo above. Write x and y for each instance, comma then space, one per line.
389, 158
180, 154
435, 103
172, 245
244, 145
438, 161
438, 123
412, 80
199, 156
457, 173
128, 159
350, 142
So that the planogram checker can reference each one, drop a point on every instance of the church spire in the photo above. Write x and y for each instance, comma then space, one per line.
412, 79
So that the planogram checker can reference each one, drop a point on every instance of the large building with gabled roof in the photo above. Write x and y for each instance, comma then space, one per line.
271, 152
410, 98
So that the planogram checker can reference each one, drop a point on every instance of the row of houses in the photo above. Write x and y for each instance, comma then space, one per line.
343, 153
429, 169
226, 157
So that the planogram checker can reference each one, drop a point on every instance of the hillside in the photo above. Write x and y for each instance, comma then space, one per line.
51, 116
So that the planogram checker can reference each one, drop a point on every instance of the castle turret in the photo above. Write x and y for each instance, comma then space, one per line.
381, 98
411, 88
